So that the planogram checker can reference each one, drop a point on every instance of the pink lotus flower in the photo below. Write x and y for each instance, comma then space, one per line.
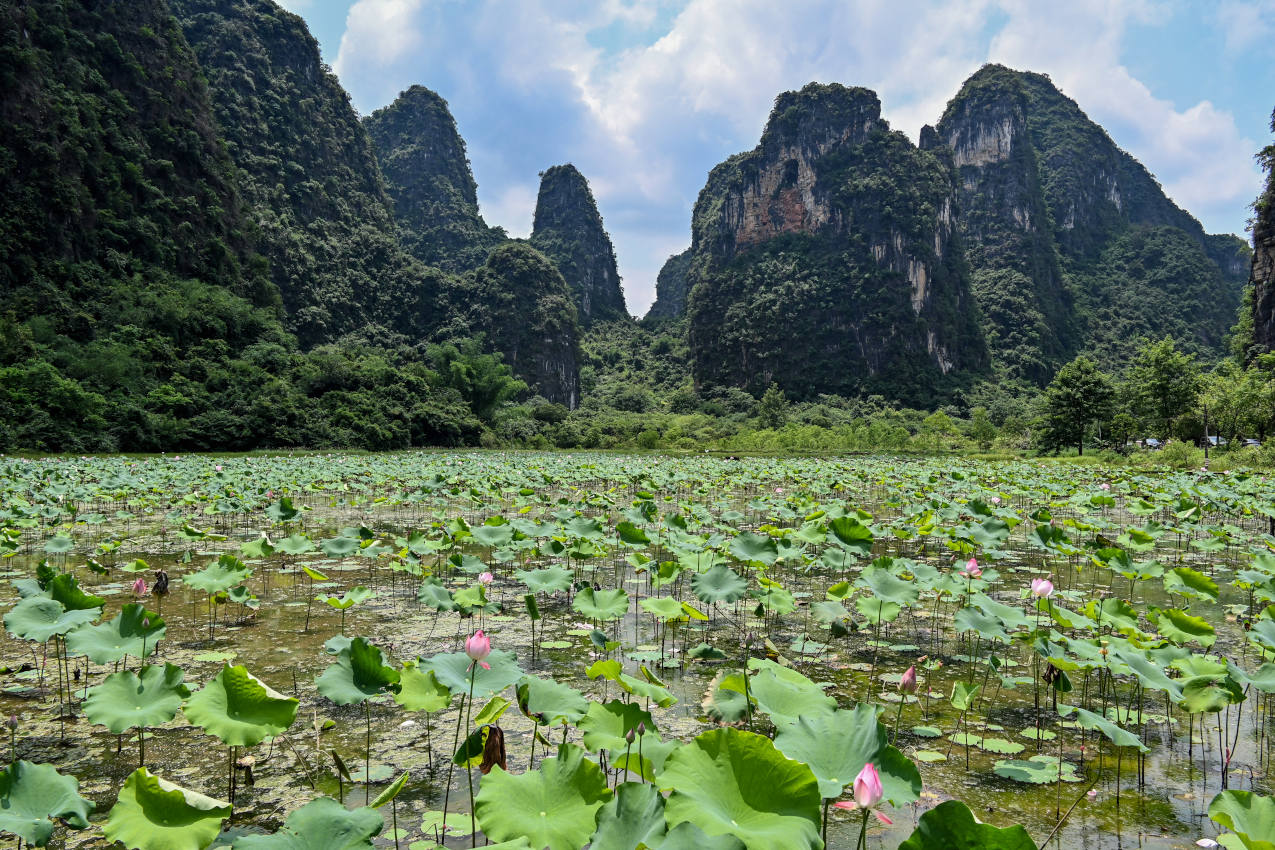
1042, 588
1105, 486
485, 579
996, 500
907, 684
139, 587
478, 647
867, 793
217, 467
972, 569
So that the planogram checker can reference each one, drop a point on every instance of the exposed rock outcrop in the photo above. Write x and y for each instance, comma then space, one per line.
568, 230
671, 287
428, 178
827, 259
1262, 274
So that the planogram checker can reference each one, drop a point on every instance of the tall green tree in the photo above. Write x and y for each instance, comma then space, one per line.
1163, 383
1080, 395
772, 411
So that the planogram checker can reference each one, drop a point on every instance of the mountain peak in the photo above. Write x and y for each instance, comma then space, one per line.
568, 229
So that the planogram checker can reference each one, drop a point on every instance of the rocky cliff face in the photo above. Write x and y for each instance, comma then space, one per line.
524, 308
671, 287
1007, 228
429, 180
568, 229
1262, 275
1049, 206
827, 259
308, 172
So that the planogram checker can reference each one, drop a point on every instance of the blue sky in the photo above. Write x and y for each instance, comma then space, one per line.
645, 96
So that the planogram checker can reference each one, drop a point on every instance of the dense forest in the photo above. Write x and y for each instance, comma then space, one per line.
206, 247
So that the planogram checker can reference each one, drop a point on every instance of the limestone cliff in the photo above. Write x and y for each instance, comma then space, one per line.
568, 230
523, 306
308, 172
1072, 243
671, 287
1262, 275
427, 176
827, 259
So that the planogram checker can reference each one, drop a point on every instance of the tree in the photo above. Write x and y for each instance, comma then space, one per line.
1163, 383
1080, 395
772, 412
981, 430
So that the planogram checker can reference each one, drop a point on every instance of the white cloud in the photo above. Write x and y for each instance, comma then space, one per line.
1247, 24
540, 82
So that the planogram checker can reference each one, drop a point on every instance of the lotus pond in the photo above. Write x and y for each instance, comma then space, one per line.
276, 652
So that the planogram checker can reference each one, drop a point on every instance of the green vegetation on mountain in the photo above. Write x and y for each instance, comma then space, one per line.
1072, 243
568, 229
308, 173
671, 287
428, 178
1260, 307
826, 260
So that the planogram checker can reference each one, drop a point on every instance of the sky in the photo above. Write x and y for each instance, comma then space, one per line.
646, 96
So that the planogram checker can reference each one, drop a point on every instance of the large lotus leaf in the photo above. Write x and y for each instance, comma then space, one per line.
663, 607
1037, 770
836, 746
631, 534
339, 547
154, 814
748, 546
688, 836
730, 782
1181, 628
545, 581
322, 824
433, 595
219, 576
606, 724
240, 709
551, 702
886, 585
1115, 734
354, 596
295, 544
1150, 674
1194, 584
554, 806
601, 604
719, 584
724, 701
584, 527
952, 826
1210, 692
852, 534
494, 536
453, 671
785, 694
128, 700
1250, 816
877, 610
32, 796
359, 673
987, 626
421, 691
65, 588
38, 618
134, 631
635, 815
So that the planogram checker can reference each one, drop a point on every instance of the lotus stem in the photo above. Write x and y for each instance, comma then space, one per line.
469, 768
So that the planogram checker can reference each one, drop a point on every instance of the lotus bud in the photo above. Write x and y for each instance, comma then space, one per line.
1042, 588
139, 587
478, 647
641, 727
629, 736
907, 684
12, 722
867, 787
